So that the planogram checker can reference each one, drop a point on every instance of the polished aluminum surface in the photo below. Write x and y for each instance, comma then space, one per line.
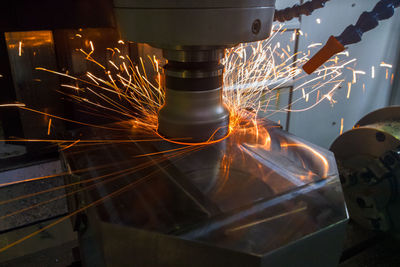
250, 195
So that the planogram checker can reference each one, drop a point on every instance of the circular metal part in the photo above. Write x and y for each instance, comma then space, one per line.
193, 116
368, 158
193, 23
194, 109
193, 70
384, 114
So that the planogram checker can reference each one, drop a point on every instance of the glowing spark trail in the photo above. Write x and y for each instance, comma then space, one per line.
348, 90
19, 48
385, 65
314, 45
74, 143
12, 105
49, 127
341, 126
355, 72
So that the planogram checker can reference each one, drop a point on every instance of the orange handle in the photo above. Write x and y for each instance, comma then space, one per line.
331, 48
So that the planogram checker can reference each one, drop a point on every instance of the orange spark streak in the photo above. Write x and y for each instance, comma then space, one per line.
56, 72
348, 90
12, 105
162, 152
341, 126
71, 86
20, 48
88, 57
314, 45
355, 72
70, 145
49, 127
385, 65
113, 64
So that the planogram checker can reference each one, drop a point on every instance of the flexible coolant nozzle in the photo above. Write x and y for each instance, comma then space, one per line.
332, 47
384, 9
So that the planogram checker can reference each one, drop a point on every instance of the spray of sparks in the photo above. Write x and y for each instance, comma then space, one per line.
254, 76
130, 93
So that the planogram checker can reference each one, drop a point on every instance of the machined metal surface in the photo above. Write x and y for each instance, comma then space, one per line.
369, 163
239, 202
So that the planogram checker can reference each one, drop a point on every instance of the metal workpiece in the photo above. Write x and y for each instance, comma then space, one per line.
368, 158
194, 23
239, 202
